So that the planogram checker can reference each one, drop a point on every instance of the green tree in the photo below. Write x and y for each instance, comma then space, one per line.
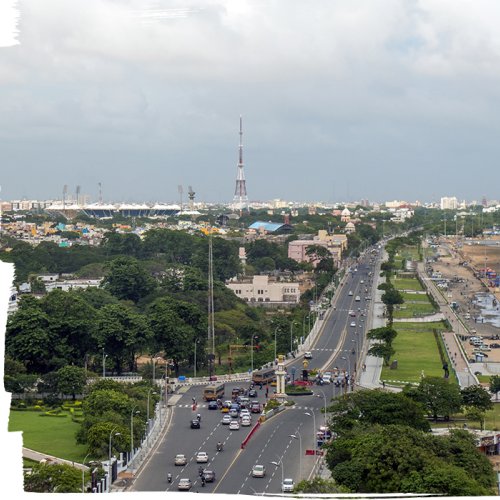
476, 396
385, 334
495, 385
127, 279
390, 298
53, 478
382, 350
438, 395
122, 333
320, 485
98, 437
71, 380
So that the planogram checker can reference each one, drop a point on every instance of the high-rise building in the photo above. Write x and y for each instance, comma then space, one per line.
449, 203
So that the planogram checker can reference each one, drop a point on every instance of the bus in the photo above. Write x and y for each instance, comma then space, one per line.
213, 392
265, 376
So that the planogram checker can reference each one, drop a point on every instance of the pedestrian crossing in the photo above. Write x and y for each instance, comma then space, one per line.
293, 407
320, 349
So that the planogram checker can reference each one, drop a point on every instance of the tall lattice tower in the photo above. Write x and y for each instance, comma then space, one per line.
240, 199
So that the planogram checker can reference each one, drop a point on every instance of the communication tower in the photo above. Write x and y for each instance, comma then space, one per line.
240, 199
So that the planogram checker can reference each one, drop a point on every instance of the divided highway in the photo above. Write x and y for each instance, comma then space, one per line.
337, 345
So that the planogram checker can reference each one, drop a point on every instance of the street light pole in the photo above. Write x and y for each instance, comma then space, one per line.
254, 337
109, 456
104, 356
279, 463
83, 473
314, 430
195, 344
275, 343
324, 397
300, 448
132, 432
291, 335
147, 418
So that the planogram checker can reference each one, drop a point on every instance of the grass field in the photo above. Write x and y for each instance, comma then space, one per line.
416, 351
410, 310
52, 435
406, 284
415, 297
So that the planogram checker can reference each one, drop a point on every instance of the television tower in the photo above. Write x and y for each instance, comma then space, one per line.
240, 199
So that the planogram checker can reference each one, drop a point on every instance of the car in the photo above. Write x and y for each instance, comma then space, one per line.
362, 281
180, 459
184, 484
226, 420
245, 411
213, 405
234, 425
353, 323
244, 402
352, 313
246, 421
255, 407
258, 471
201, 457
252, 393
209, 476
368, 297
350, 293
308, 355
233, 412
358, 298
195, 424
224, 409
327, 379
288, 485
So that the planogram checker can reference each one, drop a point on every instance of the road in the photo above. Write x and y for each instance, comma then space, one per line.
338, 345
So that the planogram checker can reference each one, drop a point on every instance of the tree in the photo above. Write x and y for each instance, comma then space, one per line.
126, 279
71, 380
320, 485
382, 350
390, 298
385, 334
98, 438
439, 396
476, 396
53, 478
495, 385
122, 333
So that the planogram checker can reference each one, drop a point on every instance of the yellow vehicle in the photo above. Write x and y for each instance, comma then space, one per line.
213, 392
265, 376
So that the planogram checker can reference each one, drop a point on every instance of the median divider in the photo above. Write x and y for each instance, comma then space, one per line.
250, 434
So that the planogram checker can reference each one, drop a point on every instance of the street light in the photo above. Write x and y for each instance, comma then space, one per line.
291, 335
104, 356
147, 418
83, 473
195, 344
304, 326
155, 357
109, 456
300, 448
254, 337
275, 344
279, 463
324, 398
132, 432
314, 430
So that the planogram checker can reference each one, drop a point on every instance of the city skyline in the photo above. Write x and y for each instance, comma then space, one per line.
341, 101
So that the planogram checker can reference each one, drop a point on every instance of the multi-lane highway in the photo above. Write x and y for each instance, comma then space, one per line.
337, 345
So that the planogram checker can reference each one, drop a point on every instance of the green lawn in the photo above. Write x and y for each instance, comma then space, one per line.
410, 310
52, 435
416, 351
406, 284
415, 297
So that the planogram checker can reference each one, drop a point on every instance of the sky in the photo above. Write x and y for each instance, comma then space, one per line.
341, 99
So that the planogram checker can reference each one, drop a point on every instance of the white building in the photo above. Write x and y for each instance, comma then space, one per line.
260, 288
449, 203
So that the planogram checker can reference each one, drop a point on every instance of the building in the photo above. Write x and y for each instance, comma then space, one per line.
335, 243
345, 215
263, 290
449, 203
269, 227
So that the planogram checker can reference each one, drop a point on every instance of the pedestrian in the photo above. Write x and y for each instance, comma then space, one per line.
364, 367
383, 384
267, 392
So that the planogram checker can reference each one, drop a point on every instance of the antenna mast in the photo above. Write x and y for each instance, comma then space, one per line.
240, 199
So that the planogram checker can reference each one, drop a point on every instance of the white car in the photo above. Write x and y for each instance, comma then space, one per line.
244, 413
234, 425
246, 422
353, 323
201, 457
226, 419
350, 293
180, 459
258, 471
288, 485
308, 355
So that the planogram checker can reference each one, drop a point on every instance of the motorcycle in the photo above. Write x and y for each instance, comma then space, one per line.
219, 446
169, 477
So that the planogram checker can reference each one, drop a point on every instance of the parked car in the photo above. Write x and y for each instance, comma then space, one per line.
258, 471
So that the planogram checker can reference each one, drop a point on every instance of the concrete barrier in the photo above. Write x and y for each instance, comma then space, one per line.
250, 434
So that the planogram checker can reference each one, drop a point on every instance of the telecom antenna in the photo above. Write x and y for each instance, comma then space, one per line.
191, 194
78, 195
100, 193
240, 199
65, 192
181, 191
211, 319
